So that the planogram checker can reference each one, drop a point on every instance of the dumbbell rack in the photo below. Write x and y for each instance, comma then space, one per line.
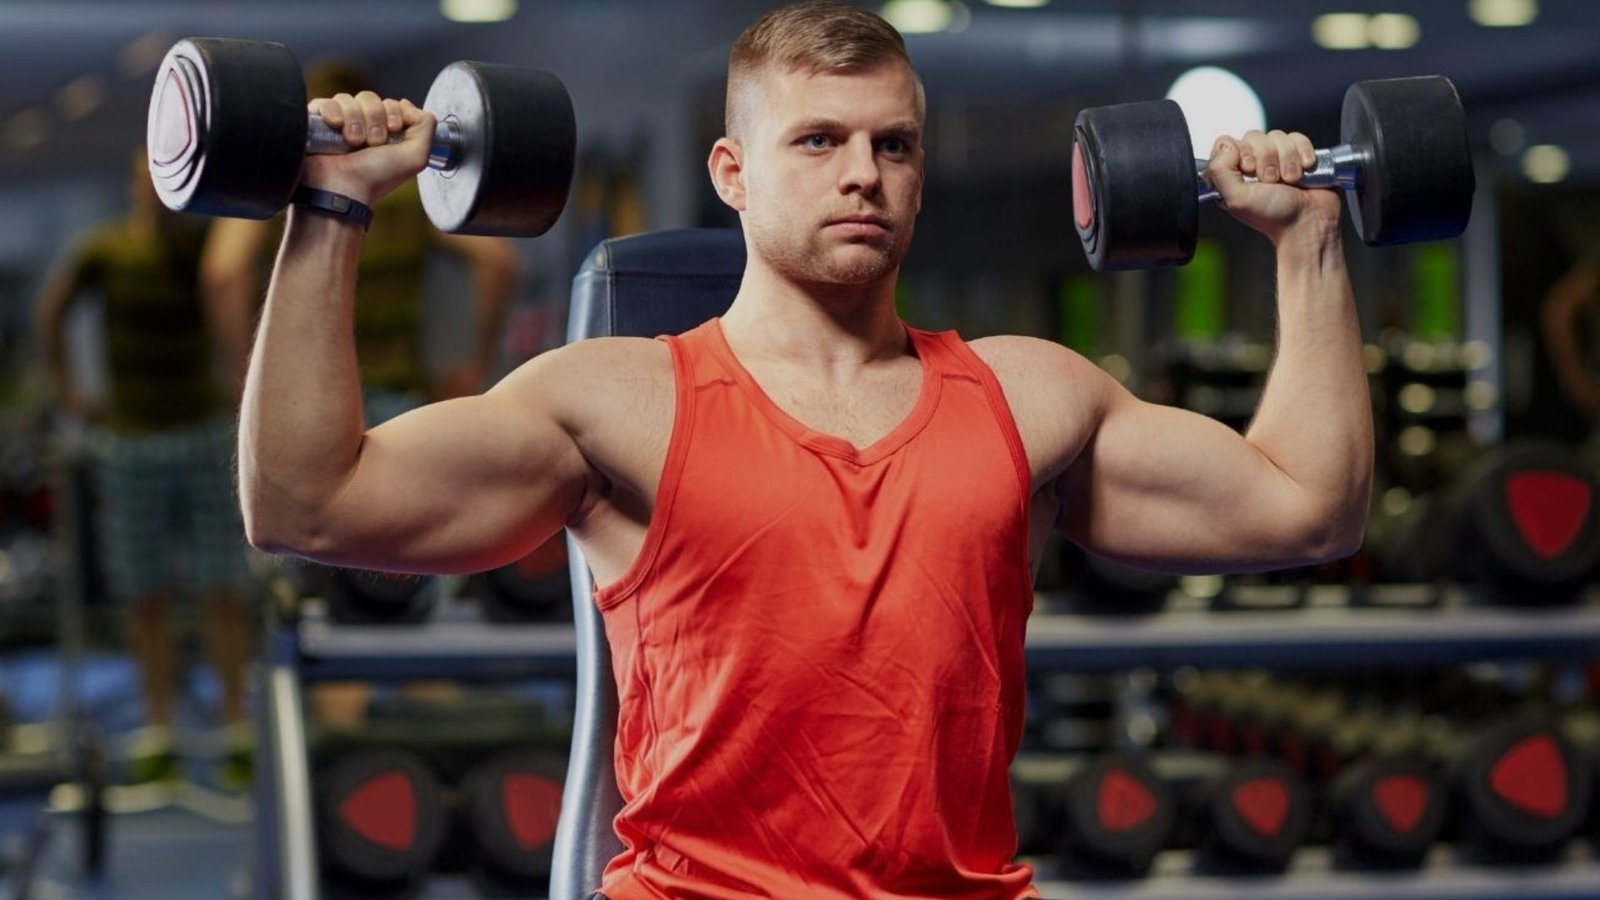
1327, 630
305, 648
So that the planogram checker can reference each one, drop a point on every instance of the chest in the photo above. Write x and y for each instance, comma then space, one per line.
859, 410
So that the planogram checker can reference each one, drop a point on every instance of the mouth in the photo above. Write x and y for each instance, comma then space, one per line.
860, 225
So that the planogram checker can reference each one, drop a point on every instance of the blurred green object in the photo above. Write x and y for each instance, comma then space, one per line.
1201, 312
1079, 298
1437, 270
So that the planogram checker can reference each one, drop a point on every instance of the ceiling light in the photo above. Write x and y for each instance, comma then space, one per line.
1393, 31
478, 11
27, 129
1216, 102
960, 17
1503, 13
918, 16
80, 97
1507, 137
1340, 31
1545, 164
1019, 4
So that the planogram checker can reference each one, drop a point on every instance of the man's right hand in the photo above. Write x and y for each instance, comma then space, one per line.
375, 167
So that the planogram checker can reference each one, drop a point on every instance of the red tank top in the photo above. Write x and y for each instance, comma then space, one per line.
818, 651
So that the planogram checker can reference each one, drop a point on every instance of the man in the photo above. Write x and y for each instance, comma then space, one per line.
1566, 316
168, 522
813, 527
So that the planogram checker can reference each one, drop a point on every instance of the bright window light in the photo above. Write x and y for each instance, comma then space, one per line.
477, 11
1216, 102
1341, 31
1019, 4
1393, 31
1503, 13
918, 16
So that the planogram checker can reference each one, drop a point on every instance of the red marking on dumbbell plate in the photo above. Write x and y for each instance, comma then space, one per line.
1549, 509
1401, 800
383, 810
1532, 776
1124, 803
1082, 202
532, 805
1263, 803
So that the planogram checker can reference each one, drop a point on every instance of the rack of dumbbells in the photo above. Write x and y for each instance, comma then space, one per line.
450, 799
1419, 721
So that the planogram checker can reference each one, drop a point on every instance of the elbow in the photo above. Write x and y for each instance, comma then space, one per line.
276, 521
1335, 537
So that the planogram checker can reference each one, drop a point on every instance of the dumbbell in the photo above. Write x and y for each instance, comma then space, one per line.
381, 821
1523, 520
227, 132
1111, 813
510, 806
360, 597
1405, 164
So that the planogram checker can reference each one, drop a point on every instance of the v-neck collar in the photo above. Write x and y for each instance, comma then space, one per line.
830, 444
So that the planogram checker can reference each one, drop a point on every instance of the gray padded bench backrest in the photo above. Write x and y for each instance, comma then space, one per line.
641, 286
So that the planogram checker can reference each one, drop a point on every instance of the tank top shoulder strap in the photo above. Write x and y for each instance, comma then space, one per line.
951, 354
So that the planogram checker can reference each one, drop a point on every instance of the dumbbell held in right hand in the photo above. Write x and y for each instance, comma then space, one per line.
228, 131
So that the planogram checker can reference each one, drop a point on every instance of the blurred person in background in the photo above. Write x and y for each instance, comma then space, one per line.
389, 313
1569, 316
160, 448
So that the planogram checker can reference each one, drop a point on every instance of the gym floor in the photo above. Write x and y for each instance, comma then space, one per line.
175, 851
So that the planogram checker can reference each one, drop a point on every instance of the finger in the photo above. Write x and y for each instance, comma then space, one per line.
1288, 156
1306, 150
410, 113
377, 120
327, 110
355, 124
1261, 146
391, 109
1224, 171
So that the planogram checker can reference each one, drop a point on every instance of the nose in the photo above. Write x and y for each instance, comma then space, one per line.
859, 171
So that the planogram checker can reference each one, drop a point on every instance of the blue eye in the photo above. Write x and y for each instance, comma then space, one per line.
817, 141
893, 146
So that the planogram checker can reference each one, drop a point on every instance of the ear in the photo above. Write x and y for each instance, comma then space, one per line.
922, 177
727, 171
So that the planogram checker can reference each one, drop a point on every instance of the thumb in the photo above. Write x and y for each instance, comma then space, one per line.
1223, 171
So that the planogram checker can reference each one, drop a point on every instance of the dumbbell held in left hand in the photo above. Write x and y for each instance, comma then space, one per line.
1405, 165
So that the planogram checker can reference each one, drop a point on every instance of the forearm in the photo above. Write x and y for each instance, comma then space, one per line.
1314, 421
301, 427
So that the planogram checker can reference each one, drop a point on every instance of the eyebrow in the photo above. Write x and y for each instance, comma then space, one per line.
904, 129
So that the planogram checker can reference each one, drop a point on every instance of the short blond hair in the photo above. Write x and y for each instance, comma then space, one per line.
815, 36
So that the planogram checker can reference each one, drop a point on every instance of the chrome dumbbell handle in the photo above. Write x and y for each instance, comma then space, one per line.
1338, 168
443, 153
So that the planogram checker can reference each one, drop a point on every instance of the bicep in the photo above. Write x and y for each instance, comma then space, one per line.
1165, 488
459, 486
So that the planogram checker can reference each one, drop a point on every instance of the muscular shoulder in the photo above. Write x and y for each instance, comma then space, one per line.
587, 382
1056, 396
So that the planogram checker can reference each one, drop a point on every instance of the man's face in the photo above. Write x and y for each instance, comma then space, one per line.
831, 172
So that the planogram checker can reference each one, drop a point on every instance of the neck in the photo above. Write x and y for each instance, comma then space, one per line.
813, 323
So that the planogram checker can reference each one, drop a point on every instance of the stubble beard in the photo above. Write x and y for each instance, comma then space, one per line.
813, 258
